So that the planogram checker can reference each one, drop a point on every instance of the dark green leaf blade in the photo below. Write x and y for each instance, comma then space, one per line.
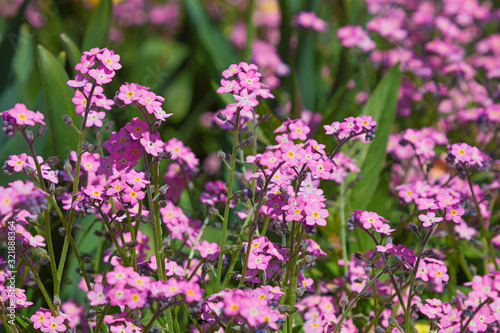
382, 107
74, 53
99, 25
218, 48
58, 97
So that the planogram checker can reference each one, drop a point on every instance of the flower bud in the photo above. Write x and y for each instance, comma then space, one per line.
67, 166
344, 301
419, 289
167, 241
221, 154
62, 231
162, 203
41, 130
29, 135
52, 188
221, 116
86, 258
300, 291
379, 330
67, 119
33, 222
144, 219
367, 294
413, 227
213, 211
91, 315
57, 301
44, 261
163, 189
393, 322
246, 143
155, 329
40, 252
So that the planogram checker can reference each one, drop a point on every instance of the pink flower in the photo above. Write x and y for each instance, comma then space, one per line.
132, 196
454, 213
109, 59
315, 214
256, 261
152, 143
102, 75
461, 152
79, 81
98, 295
130, 92
245, 100
22, 115
192, 292
95, 119
429, 219
17, 161
39, 317
438, 273
53, 325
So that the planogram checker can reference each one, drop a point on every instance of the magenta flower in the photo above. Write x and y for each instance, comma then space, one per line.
136, 128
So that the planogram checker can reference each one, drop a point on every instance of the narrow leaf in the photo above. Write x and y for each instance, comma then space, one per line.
8, 45
99, 25
214, 43
58, 97
74, 53
382, 107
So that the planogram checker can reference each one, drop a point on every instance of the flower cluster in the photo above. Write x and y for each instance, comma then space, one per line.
310, 20
19, 118
353, 126
352, 36
254, 308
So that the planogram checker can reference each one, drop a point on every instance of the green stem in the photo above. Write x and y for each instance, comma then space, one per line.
39, 283
413, 278
346, 311
343, 226
481, 220
228, 201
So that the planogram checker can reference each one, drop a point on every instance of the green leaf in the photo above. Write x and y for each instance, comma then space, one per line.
58, 97
218, 48
74, 53
61, 57
99, 25
179, 96
8, 45
382, 107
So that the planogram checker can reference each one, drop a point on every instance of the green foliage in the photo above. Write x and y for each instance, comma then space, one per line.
58, 97
99, 25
